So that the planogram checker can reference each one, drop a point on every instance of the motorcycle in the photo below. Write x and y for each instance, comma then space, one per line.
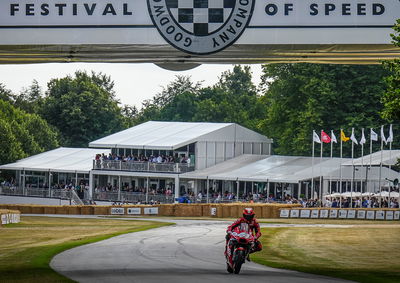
238, 248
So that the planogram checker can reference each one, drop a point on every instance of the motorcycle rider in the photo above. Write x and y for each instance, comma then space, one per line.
254, 227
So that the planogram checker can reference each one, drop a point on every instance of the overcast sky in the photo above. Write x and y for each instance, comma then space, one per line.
133, 82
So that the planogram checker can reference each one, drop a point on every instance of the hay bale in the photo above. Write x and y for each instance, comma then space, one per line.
61, 209
37, 209
49, 209
74, 210
166, 209
102, 210
87, 210
25, 209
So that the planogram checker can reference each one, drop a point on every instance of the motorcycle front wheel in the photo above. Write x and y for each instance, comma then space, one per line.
238, 261
229, 269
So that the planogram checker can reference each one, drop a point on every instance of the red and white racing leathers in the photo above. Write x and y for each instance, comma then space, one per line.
254, 228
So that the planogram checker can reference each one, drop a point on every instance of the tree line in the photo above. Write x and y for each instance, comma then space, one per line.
291, 101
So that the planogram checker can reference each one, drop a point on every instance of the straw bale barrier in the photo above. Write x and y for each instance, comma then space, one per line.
217, 210
8, 216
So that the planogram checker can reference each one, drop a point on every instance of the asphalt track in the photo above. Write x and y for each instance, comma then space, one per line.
190, 251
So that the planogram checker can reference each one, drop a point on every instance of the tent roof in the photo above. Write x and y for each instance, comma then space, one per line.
62, 159
388, 157
274, 168
173, 135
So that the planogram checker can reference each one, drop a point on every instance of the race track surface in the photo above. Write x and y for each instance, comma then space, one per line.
190, 251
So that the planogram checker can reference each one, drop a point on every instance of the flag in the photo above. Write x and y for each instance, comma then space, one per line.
353, 137
316, 137
363, 140
390, 137
343, 136
383, 135
325, 137
333, 137
374, 136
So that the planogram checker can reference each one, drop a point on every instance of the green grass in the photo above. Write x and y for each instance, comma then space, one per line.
26, 249
362, 254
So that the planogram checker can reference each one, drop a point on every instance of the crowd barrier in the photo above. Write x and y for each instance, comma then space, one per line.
233, 210
341, 213
9, 216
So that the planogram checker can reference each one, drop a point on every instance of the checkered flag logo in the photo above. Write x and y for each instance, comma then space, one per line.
201, 26
201, 17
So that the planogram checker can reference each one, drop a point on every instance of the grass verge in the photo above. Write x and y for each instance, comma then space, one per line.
27, 248
362, 254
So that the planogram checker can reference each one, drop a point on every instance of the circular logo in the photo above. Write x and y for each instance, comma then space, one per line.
201, 26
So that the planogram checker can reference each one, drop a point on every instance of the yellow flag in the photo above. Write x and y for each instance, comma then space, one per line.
343, 136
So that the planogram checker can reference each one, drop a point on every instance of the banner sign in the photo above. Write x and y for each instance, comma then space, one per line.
396, 215
380, 215
294, 213
117, 210
284, 213
370, 214
315, 213
389, 215
200, 27
351, 214
134, 210
305, 213
333, 213
361, 214
323, 213
342, 213
151, 210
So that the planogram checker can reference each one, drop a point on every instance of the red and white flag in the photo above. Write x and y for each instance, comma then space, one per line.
325, 137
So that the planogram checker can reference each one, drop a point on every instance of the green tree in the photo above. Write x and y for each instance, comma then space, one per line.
391, 98
6, 94
30, 99
23, 134
300, 98
83, 108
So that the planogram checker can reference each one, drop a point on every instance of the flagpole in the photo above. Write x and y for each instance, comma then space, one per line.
341, 156
370, 163
330, 175
390, 157
380, 169
312, 166
362, 159
352, 175
320, 173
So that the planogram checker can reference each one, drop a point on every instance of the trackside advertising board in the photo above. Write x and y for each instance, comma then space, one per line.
200, 27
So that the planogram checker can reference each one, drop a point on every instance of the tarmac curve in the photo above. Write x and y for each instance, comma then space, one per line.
190, 251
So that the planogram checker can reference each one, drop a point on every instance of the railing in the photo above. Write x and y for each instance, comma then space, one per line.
132, 197
42, 193
138, 166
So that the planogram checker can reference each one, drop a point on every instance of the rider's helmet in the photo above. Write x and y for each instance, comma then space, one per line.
248, 214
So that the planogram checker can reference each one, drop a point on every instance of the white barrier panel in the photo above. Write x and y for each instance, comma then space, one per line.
342, 213
151, 210
284, 213
380, 215
305, 213
396, 215
333, 213
117, 210
361, 214
389, 215
294, 213
324, 213
135, 210
315, 213
213, 211
370, 214
351, 214
4, 219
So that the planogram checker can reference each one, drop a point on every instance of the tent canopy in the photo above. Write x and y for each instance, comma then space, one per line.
388, 157
173, 135
79, 160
